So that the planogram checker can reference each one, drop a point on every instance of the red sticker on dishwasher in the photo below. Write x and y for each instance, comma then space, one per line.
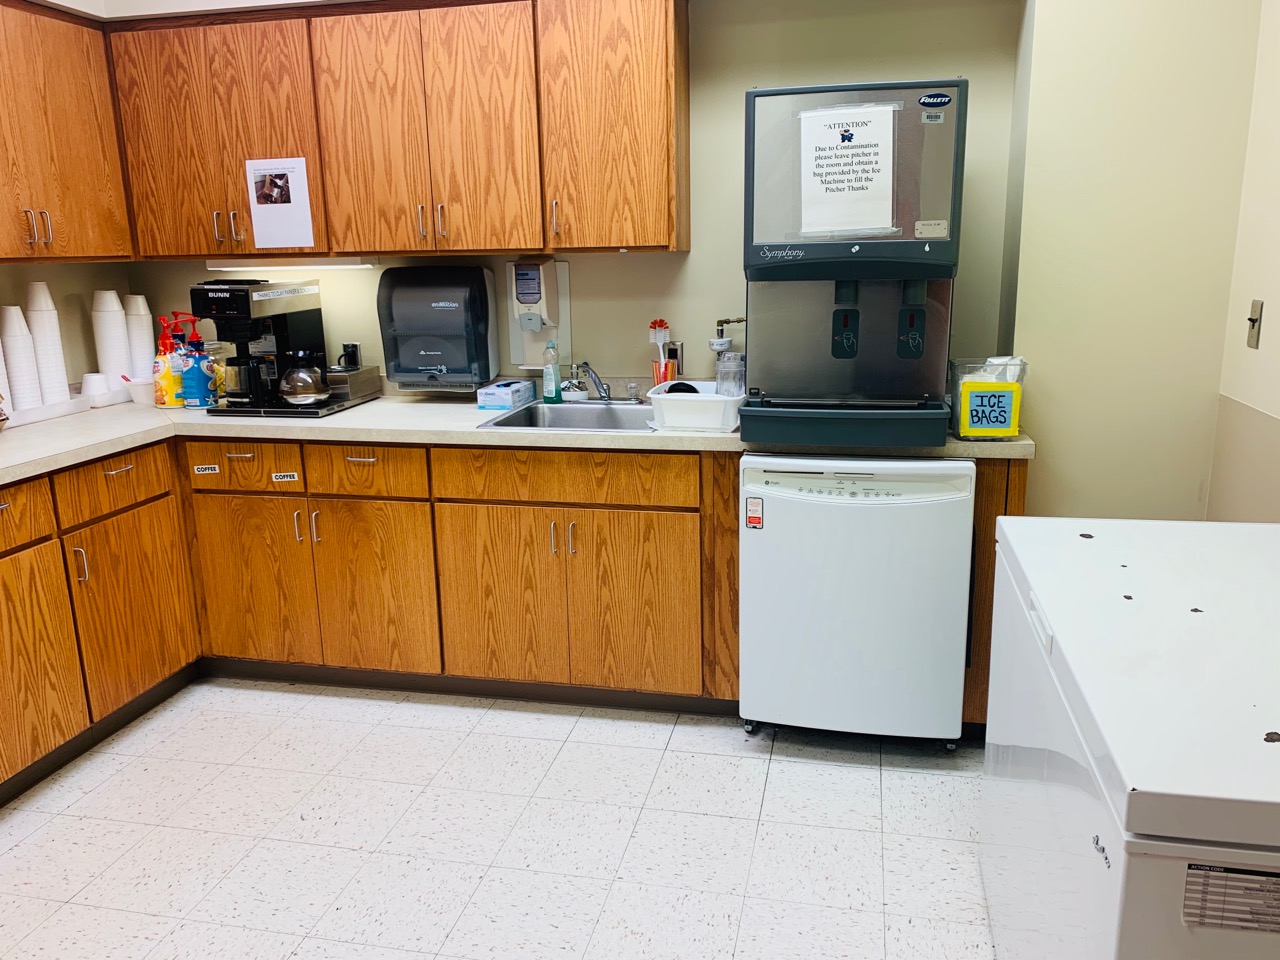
755, 513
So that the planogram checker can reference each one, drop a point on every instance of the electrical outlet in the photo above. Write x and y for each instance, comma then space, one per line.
1255, 325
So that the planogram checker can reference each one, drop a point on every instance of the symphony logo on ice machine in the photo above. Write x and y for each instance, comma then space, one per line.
854, 589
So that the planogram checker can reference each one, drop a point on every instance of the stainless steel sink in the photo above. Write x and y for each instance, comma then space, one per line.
591, 415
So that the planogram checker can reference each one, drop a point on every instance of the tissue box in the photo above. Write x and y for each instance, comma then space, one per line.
506, 395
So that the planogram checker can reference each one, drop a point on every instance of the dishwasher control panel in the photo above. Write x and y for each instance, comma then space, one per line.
862, 488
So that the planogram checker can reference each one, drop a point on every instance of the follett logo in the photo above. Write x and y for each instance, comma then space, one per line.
935, 99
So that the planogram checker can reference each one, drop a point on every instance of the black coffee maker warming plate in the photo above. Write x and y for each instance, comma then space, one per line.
320, 410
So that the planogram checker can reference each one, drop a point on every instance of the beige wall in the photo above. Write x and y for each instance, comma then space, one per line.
1137, 124
737, 44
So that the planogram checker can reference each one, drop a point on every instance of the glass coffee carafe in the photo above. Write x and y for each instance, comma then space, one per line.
303, 383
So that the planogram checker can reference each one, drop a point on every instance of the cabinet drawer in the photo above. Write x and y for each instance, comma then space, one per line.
273, 467
367, 471
567, 476
26, 513
111, 484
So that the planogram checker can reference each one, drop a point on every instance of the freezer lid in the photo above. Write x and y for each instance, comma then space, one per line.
1165, 640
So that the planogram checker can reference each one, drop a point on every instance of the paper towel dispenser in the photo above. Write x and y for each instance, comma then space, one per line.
438, 327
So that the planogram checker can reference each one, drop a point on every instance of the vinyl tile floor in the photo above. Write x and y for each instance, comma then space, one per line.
244, 820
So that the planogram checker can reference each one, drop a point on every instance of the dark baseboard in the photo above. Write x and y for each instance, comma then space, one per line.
86, 740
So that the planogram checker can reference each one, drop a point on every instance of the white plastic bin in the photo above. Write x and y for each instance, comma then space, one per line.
705, 410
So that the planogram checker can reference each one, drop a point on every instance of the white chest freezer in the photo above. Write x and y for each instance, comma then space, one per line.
1131, 805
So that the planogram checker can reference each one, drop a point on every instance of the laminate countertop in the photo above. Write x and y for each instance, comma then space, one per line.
40, 448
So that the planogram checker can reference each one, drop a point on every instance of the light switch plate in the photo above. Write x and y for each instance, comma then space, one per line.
1255, 325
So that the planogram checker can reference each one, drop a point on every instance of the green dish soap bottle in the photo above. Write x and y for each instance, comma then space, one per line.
551, 374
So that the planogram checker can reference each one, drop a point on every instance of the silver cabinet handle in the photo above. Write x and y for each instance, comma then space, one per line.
297, 533
35, 231
422, 227
237, 237
315, 536
555, 221
111, 473
48, 225
84, 558
362, 459
440, 219
573, 551
4, 506
554, 551
239, 456
217, 231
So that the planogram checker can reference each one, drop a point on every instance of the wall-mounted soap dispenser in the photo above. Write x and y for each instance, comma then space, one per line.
537, 309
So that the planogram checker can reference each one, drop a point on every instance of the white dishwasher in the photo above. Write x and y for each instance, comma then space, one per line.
854, 593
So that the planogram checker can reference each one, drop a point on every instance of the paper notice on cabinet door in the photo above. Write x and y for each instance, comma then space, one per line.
846, 166
280, 202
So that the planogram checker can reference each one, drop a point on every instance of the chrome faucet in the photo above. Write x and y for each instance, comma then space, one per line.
602, 388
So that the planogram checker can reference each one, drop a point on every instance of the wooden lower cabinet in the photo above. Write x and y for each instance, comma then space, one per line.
260, 595
132, 594
503, 609
376, 584
42, 700
635, 600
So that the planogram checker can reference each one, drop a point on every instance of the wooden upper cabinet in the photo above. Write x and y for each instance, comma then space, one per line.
613, 87
482, 115
170, 138
373, 124
63, 159
264, 105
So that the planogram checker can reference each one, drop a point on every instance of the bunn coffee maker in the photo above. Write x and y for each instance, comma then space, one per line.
852, 241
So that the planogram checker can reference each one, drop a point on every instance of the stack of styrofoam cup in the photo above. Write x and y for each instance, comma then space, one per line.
110, 337
46, 336
142, 338
6, 401
20, 359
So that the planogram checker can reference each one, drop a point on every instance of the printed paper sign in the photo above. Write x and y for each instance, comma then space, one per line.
280, 202
846, 166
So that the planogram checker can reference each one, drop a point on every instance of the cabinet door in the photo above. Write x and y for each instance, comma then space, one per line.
134, 609
20, 136
172, 139
260, 597
77, 186
502, 595
373, 124
42, 701
376, 583
635, 600
604, 84
263, 95
483, 125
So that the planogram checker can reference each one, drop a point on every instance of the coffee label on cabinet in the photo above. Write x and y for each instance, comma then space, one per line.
206, 468
284, 477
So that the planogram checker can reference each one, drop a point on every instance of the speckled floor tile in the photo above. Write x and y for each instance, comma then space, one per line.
565, 836
91, 933
818, 865
932, 756
820, 746
148, 790
313, 948
72, 782
707, 783
307, 745
823, 795
690, 850
267, 697
939, 879
244, 800
60, 858
282, 887
519, 718
601, 773
148, 730
519, 915
911, 938
657, 923
624, 728
455, 825
772, 930
167, 873
931, 805
215, 737
435, 711
697, 733
16, 825
498, 764
341, 812
20, 915
192, 940
352, 704
407, 903
400, 754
